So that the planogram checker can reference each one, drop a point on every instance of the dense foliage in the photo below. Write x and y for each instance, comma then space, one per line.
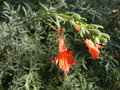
29, 41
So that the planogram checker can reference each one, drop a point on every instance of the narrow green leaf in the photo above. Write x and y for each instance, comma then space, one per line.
44, 6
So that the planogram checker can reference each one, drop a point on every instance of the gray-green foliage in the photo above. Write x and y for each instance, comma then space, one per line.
28, 43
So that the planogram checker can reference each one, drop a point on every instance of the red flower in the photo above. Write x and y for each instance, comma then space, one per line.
94, 50
64, 59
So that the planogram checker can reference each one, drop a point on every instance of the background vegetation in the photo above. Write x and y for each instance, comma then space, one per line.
29, 41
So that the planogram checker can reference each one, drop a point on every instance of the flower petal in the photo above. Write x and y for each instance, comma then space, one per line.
94, 50
65, 61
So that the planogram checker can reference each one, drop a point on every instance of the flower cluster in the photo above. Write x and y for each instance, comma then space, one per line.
64, 59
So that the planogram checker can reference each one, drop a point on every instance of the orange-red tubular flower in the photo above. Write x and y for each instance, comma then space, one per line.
64, 59
94, 50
